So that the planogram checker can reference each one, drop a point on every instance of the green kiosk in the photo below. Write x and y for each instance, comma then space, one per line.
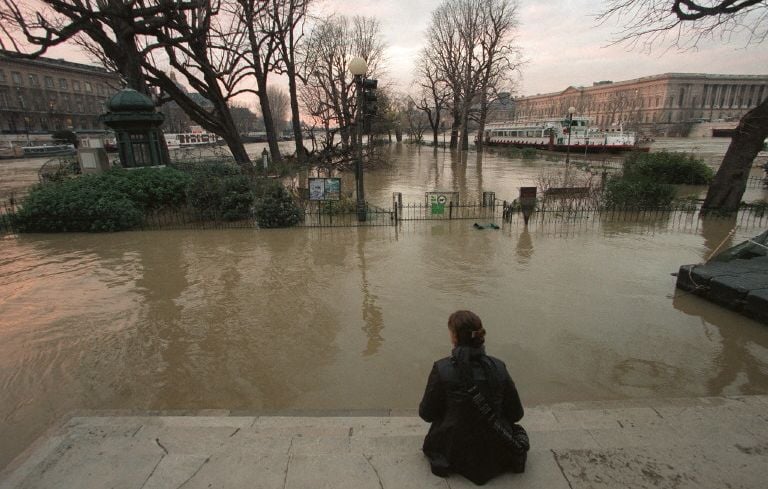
136, 123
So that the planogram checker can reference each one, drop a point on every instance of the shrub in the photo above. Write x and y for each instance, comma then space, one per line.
150, 188
623, 192
342, 206
213, 167
667, 167
221, 197
275, 208
113, 201
77, 205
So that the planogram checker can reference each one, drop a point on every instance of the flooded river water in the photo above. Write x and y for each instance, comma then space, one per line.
352, 318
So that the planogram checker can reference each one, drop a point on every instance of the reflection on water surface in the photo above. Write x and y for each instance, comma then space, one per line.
353, 318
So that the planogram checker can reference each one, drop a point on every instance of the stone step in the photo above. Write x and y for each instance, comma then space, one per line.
648, 443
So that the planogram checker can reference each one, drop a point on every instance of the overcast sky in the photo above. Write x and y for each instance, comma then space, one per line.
562, 42
560, 39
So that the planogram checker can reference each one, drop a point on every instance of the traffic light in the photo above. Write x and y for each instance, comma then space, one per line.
369, 97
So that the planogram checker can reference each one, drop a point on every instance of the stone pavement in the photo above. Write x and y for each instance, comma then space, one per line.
676, 443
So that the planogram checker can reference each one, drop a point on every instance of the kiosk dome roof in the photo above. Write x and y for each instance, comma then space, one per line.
129, 100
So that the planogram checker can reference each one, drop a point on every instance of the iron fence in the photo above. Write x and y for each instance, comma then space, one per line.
328, 214
418, 211
567, 214
680, 217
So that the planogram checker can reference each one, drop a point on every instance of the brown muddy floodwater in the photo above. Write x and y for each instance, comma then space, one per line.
352, 318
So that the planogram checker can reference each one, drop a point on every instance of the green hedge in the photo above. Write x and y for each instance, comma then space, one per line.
221, 197
76, 205
667, 167
275, 208
643, 193
119, 199
113, 201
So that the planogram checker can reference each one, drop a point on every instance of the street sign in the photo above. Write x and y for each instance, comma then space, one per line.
436, 201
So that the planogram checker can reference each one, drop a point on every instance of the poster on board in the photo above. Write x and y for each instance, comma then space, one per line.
324, 189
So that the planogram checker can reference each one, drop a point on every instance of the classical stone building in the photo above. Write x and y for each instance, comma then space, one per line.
45, 94
668, 104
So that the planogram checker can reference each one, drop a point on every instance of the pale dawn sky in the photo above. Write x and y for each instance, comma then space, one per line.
560, 39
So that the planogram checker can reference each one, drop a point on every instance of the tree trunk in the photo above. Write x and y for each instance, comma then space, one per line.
295, 117
269, 123
455, 125
219, 122
237, 148
730, 182
465, 130
483, 116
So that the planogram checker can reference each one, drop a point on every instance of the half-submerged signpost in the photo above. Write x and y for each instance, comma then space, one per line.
527, 202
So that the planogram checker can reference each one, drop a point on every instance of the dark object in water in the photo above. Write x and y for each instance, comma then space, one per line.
489, 225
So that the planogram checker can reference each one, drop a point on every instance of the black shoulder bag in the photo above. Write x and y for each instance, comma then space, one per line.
513, 436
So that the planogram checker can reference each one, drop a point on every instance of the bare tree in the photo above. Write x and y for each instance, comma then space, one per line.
329, 91
418, 122
683, 24
446, 50
196, 44
280, 103
259, 48
141, 39
433, 93
471, 44
499, 56
288, 18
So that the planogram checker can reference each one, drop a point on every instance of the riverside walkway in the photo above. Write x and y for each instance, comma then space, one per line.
674, 443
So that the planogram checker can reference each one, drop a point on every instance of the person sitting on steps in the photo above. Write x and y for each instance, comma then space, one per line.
461, 440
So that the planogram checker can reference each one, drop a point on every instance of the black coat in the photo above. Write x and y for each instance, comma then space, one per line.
458, 441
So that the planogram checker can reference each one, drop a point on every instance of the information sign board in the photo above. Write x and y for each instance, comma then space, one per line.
324, 188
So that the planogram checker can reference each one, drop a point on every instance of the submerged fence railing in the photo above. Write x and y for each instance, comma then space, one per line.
571, 213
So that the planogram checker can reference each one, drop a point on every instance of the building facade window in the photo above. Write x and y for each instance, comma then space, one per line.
16, 76
88, 87
63, 85
2, 76
75, 85
48, 82
34, 81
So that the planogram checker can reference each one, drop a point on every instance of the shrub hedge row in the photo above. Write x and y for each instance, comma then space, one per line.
648, 179
667, 167
119, 199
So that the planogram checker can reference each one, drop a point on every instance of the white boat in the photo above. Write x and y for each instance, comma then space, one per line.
49, 150
175, 140
553, 135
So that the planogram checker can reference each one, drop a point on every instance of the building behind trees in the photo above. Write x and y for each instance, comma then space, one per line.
660, 105
46, 95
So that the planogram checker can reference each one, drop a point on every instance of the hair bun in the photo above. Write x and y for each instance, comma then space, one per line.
478, 333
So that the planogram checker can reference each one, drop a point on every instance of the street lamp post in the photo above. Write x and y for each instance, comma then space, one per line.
358, 67
571, 111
